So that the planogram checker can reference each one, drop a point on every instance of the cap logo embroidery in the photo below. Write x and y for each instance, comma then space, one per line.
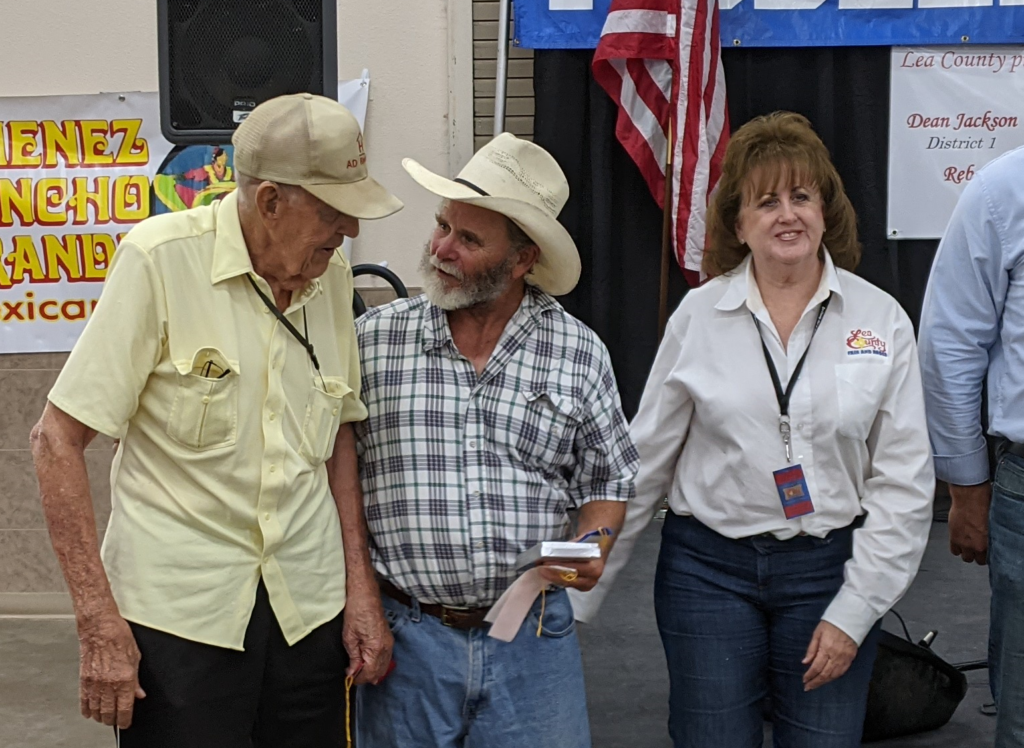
864, 342
356, 163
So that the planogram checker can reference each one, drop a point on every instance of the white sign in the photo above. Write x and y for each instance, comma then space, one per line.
76, 172
952, 110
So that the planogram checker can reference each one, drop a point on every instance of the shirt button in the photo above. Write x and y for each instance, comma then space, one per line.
334, 412
266, 310
273, 468
266, 516
206, 399
476, 494
472, 445
272, 416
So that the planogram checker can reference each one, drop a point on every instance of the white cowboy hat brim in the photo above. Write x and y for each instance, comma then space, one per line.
557, 270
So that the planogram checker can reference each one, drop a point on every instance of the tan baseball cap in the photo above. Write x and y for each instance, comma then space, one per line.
315, 143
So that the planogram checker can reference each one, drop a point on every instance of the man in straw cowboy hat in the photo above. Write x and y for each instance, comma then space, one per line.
491, 413
222, 355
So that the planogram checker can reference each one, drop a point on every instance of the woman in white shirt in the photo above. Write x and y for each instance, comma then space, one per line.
784, 420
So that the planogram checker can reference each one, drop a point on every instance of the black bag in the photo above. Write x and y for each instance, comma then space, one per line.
912, 690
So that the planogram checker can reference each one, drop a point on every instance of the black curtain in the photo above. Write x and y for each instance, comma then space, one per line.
843, 91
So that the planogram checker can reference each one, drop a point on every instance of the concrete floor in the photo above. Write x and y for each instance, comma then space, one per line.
627, 682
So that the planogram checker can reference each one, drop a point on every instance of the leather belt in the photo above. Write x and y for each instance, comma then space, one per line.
465, 619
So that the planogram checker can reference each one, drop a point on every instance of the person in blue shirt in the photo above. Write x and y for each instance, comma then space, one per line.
972, 331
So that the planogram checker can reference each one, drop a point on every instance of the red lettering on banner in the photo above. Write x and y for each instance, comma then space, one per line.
958, 176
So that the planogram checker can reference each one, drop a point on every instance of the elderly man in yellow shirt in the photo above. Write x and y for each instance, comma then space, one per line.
222, 355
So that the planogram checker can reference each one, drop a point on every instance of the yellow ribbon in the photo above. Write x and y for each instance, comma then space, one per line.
349, 682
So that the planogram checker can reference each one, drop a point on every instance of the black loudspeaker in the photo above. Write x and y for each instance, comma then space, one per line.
219, 59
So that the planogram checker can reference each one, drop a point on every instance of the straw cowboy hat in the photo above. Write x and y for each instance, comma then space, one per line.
522, 181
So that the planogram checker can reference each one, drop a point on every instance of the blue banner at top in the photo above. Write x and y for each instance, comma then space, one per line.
795, 23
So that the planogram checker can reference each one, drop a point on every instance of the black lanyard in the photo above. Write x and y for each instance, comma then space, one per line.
784, 395
303, 339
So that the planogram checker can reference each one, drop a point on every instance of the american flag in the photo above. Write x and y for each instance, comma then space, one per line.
660, 60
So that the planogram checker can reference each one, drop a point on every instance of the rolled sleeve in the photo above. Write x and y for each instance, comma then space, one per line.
121, 345
606, 458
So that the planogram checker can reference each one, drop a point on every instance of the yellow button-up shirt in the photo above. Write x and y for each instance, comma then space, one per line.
224, 427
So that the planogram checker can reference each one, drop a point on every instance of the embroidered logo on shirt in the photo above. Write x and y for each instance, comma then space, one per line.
864, 342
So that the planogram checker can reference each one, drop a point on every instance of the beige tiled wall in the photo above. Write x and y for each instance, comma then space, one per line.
30, 578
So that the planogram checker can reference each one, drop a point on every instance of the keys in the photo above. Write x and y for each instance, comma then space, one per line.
786, 437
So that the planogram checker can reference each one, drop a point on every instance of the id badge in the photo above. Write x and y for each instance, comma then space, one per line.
793, 492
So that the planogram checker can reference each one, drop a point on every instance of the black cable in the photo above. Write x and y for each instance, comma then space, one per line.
906, 631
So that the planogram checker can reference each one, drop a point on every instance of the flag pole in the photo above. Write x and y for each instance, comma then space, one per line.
666, 240
501, 84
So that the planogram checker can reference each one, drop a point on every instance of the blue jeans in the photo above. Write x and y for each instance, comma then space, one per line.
736, 617
463, 689
1006, 576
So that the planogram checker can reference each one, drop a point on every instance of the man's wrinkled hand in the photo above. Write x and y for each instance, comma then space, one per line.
367, 637
109, 671
829, 656
968, 522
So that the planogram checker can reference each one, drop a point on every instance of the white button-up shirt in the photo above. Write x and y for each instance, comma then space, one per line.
708, 433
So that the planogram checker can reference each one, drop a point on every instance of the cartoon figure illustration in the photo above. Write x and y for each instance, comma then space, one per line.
193, 176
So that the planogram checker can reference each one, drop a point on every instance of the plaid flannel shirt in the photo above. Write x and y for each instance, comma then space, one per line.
462, 472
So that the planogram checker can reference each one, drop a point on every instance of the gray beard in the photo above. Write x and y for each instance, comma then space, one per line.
474, 291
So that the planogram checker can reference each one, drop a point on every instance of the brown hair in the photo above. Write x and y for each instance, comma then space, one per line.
769, 149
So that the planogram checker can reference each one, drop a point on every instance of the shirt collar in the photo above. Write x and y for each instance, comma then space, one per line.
437, 333
231, 256
742, 288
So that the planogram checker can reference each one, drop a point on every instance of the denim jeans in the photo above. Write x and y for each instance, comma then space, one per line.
1006, 576
463, 689
736, 618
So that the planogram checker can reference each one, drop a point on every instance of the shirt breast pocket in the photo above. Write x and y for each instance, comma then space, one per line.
322, 419
204, 414
549, 424
860, 388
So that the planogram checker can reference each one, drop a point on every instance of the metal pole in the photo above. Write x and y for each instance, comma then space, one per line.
501, 84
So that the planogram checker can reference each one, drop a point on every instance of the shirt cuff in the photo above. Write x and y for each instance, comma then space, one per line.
964, 470
851, 614
582, 499
586, 604
352, 409
93, 421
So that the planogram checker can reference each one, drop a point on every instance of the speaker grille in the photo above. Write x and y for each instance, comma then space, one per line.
220, 51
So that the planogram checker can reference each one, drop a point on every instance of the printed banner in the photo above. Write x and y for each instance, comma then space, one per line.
556, 24
76, 172
952, 110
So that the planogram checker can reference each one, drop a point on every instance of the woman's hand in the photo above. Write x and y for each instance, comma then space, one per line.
830, 655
